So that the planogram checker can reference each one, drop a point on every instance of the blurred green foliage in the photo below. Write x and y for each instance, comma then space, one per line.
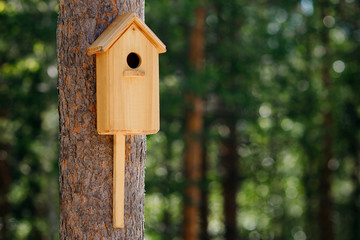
28, 120
263, 68
264, 63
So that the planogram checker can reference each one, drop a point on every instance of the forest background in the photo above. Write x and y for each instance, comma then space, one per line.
262, 95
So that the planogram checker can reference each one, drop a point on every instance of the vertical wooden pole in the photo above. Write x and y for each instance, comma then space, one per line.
119, 180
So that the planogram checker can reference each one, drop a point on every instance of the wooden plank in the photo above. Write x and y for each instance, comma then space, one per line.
128, 98
111, 33
150, 35
117, 28
118, 181
133, 73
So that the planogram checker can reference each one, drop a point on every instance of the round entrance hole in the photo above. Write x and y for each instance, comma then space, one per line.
133, 60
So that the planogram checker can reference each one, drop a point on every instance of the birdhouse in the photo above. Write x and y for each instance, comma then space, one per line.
127, 73
127, 90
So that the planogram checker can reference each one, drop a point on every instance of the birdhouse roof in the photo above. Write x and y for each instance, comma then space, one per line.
117, 28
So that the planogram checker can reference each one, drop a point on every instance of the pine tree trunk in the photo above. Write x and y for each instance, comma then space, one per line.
355, 199
229, 162
194, 128
204, 208
86, 157
5, 182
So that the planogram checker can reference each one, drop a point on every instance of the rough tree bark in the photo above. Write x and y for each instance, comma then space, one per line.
86, 157
194, 129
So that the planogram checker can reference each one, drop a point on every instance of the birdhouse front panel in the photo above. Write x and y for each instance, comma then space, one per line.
127, 70
131, 75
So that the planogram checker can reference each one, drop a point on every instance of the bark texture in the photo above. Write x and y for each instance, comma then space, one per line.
86, 157
194, 129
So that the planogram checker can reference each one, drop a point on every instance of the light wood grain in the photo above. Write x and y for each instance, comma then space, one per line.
117, 28
118, 181
133, 73
128, 99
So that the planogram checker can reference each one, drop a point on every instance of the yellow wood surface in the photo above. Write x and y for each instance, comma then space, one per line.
128, 99
127, 91
133, 73
118, 181
117, 28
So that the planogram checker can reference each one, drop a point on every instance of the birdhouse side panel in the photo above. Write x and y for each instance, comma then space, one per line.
102, 93
155, 92
133, 79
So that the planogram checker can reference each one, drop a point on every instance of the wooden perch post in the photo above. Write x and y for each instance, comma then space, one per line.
118, 180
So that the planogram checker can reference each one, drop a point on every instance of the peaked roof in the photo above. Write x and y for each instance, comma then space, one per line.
117, 28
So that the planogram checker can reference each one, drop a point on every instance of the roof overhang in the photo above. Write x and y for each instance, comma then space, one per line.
117, 28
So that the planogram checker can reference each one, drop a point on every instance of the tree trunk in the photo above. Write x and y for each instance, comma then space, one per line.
204, 208
86, 157
194, 128
5, 181
229, 163
355, 200
325, 204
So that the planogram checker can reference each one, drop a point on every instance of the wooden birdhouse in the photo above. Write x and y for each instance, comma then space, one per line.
127, 73
127, 90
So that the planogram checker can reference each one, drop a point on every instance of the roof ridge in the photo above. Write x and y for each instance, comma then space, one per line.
117, 28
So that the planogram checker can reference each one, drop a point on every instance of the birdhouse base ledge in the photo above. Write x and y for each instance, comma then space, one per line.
128, 132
